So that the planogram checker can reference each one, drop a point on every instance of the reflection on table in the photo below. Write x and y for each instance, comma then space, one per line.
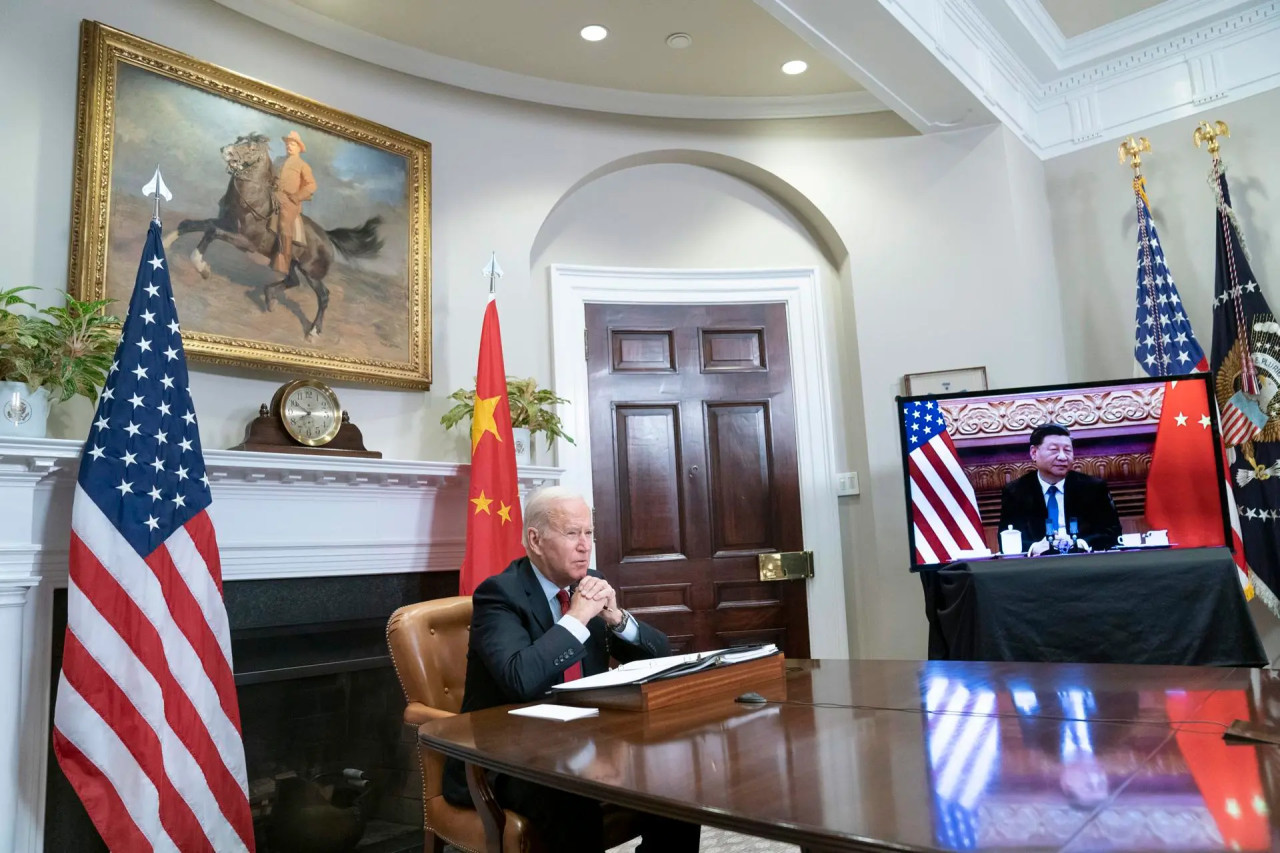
1024, 779
929, 755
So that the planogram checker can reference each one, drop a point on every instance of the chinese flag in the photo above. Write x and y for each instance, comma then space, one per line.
493, 505
1182, 489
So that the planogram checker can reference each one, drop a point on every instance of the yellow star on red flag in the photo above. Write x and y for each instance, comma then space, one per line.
482, 503
482, 420
504, 511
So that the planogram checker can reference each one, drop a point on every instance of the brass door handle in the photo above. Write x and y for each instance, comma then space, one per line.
786, 565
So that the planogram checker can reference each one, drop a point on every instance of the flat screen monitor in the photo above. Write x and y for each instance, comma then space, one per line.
1125, 465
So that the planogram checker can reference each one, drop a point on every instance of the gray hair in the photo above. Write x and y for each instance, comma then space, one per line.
540, 505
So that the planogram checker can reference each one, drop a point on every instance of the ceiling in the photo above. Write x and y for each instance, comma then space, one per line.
1061, 74
737, 49
1076, 17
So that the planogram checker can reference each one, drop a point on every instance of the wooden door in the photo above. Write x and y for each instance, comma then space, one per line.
694, 470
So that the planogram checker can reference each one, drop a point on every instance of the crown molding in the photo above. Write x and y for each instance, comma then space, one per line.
1166, 78
311, 26
1159, 22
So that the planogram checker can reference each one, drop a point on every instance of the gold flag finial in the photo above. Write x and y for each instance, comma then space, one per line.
1131, 150
1209, 133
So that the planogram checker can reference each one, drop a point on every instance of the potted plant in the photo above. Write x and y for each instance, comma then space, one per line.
53, 353
531, 413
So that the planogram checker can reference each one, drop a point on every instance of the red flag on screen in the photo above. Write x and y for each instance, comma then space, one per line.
1183, 487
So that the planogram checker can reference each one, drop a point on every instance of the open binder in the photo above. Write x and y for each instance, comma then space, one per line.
658, 682
673, 666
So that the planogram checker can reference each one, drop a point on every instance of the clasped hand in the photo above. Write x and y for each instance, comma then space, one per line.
594, 597
1044, 545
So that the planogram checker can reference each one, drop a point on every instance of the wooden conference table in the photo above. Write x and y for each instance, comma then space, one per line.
1014, 756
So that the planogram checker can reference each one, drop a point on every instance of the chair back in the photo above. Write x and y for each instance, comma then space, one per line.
428, 642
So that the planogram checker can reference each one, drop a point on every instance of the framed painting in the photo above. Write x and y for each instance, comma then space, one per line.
298, 236
946, 381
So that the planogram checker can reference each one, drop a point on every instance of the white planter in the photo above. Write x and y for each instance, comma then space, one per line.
23, 412
524, 445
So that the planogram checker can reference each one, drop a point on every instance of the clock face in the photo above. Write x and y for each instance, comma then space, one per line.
310, 413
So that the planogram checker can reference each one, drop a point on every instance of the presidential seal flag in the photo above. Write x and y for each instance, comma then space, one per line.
1245, 359
146, 725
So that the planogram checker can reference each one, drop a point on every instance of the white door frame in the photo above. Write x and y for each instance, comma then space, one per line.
572, 287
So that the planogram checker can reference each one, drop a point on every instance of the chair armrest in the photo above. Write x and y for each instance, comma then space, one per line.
416, 713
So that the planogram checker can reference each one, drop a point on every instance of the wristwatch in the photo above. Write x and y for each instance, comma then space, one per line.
624, 624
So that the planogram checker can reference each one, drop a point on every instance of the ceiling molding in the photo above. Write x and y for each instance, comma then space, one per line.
1159, 22
326, 32
868, 43
1161, 80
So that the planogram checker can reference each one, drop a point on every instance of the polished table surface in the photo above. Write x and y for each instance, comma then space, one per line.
935, 756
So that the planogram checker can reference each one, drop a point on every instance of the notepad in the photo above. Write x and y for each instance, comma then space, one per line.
560, 713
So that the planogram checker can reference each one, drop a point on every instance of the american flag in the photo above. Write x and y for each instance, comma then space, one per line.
944, 511
146, 725
1164, 343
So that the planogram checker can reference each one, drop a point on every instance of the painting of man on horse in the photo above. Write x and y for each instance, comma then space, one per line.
253, 220
262, 213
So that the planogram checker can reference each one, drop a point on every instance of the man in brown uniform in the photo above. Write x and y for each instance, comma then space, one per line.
294, 185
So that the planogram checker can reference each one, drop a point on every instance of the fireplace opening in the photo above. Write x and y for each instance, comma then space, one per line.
331, 767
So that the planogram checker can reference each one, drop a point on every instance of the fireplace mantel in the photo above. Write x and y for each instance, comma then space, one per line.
277, 515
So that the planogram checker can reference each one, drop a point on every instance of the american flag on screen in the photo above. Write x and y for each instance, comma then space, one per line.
146, 725
944, 511
1165, 345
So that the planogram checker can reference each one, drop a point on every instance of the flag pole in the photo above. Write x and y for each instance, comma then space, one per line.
1131, 150
156, 188
494, 271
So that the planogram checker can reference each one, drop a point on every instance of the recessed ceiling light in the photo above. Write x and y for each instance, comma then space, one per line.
679, 41
594, 32
795, 66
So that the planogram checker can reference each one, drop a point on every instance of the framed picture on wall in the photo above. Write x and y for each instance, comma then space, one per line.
298, 236
945, 381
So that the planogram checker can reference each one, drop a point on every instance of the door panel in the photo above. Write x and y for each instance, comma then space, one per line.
648, 461
694, 469
741, 506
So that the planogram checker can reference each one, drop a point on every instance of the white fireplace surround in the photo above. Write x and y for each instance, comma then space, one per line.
277, 515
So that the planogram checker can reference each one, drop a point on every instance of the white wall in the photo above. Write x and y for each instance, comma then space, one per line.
945, 257
1095, 237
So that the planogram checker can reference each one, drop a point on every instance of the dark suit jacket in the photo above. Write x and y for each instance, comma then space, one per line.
1086, 499
517, 652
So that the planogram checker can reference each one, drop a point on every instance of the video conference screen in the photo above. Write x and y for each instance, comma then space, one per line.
1035, 473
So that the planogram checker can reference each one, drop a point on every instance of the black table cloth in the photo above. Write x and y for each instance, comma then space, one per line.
1155, 607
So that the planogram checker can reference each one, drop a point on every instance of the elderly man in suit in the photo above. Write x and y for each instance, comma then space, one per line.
546, 619
1055, 497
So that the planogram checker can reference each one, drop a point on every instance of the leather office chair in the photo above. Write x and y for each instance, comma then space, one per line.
428, 643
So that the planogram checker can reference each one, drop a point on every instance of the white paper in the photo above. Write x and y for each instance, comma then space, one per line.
562, 713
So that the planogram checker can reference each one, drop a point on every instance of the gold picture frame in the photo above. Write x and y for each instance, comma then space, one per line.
945, 381
219, 140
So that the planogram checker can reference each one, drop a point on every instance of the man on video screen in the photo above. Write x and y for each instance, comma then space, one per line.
1076, 507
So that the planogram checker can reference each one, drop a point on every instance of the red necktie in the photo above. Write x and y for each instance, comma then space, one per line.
574, 672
